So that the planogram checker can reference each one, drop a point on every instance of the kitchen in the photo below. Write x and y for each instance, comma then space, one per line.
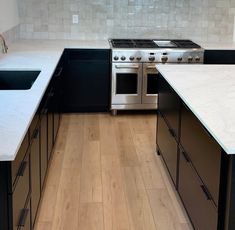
130, 188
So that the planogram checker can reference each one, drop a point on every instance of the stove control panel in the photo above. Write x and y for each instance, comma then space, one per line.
158, 56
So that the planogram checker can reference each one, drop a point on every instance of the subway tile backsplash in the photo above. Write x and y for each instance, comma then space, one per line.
201, 20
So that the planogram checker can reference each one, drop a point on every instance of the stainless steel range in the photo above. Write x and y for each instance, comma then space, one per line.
134, 75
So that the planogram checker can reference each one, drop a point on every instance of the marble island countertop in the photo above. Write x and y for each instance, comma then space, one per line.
17, 107
209, 92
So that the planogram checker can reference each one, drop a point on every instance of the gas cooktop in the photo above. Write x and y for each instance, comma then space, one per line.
153, 43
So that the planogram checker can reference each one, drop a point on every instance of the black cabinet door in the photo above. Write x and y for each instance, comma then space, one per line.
195, 197
219, 57
43, 146
169, 105
56, 100
20, 194
35, 173
167, 146
87, 81
204, 152
50, 122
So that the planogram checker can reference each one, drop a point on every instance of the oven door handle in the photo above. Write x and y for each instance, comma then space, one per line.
127, 66
152, 67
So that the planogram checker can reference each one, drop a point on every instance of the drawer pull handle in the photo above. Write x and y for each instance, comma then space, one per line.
206, 192
45, 111
172, 132
23, 217
22, 168
59, 72
186, 157
36, 133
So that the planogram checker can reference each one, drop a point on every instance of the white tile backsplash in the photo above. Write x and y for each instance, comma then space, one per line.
203, 20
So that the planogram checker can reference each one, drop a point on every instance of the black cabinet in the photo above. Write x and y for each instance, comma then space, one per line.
35, 172
169, 105
193, 158
167, 147
196, 197
43, 144
168, 126
87, 80
203, 151
219, 57
20, 194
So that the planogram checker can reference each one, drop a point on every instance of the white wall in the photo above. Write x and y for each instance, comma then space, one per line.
9, 16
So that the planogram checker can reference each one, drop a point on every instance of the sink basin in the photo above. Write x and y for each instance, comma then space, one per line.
17, 79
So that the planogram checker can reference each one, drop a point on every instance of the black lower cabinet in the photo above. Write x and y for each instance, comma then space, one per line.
219, 57
196, 197
87, 80
35, 173
43, 145
20, 195
25, 223
167, 147
203, 150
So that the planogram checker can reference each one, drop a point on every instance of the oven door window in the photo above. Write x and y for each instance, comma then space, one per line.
152, 83
126, 83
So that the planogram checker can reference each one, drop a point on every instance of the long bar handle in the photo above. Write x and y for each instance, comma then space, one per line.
127, 66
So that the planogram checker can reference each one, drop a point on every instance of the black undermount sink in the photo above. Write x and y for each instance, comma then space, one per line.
17, 79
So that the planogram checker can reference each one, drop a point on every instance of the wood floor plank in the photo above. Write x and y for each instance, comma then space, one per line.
43, 225
91, 185
114, 202
92, 127
139, 209
164, 213
90, 217
125, 144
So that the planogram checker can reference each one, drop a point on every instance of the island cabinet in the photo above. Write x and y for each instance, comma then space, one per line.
168, 127
203, 174
22, 180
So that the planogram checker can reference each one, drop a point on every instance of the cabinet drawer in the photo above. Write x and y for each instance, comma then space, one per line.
25, 218
33, 125
17, 164
167, 146
203, 151
169, 105
20, 194
196, 198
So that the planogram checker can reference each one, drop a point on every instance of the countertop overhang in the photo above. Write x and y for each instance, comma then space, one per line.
209, 92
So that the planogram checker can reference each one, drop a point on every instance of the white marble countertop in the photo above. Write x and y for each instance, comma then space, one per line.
209, 91
17, 107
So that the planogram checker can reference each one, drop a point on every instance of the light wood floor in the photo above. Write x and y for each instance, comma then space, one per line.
105, 175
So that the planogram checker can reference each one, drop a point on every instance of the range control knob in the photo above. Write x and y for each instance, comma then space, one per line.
131, 58
197, 59
116, 58
151, 58
164, 59
138, 58
180, 59
190, 59
123, 58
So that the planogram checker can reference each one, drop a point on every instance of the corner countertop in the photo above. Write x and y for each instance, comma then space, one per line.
209, 92
17, 107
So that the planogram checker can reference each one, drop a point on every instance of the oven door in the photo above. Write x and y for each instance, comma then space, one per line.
126, 83
149, 91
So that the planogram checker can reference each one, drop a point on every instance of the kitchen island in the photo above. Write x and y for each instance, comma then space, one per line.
195, 137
